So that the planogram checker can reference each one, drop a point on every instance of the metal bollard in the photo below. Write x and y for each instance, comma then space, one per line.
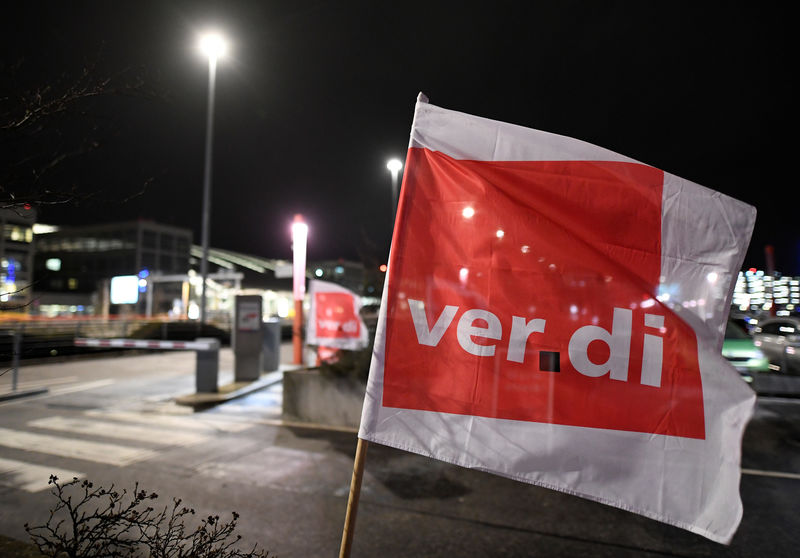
272, 345
16, 341
207, 370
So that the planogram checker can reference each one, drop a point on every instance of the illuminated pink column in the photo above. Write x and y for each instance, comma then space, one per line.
299, 237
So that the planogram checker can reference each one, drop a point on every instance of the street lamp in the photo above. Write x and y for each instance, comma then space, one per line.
299, 240
394, 166
214, 46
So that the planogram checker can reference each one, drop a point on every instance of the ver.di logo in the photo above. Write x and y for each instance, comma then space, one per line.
618, 339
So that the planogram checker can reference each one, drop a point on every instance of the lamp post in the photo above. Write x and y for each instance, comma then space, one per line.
394, 166
299, 239
214, 47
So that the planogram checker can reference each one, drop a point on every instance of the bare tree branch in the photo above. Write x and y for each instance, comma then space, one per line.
89, 522
46, 127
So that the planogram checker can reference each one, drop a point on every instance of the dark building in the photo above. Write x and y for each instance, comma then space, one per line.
349, 274
16, 257
73, 268
72, 265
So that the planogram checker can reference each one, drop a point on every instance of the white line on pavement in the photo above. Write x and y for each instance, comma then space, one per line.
193, 422
111, 454
46, 382
775, 474
81, 387
779, 400
29, 476
137, 432
60, 391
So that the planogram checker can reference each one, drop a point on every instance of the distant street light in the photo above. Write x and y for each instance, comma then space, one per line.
299, 240
214, 46
394, 166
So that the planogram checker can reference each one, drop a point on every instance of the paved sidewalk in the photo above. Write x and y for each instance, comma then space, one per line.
12, 548
290, 482
233, 390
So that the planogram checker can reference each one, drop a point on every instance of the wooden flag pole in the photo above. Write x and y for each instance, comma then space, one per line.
352, 501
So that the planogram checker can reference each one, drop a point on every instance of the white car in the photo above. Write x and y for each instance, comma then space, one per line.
779, 339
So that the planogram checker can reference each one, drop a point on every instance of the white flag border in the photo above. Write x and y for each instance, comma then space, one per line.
713, 476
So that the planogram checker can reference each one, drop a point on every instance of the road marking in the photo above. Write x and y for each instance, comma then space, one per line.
60, 391
779, 400
775, 474
191, 422
81, 387
135, 432
110, 454
49, 382
31, 477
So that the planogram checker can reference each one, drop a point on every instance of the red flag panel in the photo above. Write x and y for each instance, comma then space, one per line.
520, 293
335, 316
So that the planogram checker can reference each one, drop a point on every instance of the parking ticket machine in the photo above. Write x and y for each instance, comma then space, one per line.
247, 338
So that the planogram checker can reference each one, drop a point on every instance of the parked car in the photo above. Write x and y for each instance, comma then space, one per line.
741, 351
779, 339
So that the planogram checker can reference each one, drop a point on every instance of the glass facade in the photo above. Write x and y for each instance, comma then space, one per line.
91, 254
80, 261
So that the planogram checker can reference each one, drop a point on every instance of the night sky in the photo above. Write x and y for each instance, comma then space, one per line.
317, 96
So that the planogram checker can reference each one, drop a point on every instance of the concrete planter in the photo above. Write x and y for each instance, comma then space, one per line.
308, 396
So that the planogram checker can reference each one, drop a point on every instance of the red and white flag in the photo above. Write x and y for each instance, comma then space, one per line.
554, 313
334, 321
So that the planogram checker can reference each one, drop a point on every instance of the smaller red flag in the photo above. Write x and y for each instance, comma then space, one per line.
334, 321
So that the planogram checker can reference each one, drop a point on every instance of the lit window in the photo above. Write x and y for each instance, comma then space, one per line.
17, 234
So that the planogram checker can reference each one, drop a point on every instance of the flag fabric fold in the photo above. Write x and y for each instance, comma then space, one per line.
554, 312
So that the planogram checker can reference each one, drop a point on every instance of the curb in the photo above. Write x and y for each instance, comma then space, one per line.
22, 393
230, 391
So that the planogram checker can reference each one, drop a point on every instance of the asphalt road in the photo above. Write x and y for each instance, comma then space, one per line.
115, 421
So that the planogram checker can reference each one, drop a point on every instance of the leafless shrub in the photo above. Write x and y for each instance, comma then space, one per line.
96, 522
